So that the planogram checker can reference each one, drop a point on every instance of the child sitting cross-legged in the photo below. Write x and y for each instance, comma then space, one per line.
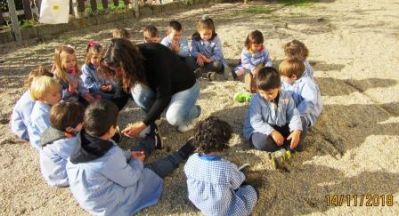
59, 140
104, 179
272, 122
215, 185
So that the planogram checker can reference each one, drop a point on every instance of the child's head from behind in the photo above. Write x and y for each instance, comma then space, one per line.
100, 119
67, 116
93, 53
268, 83
151, 34
212, 135
36, 72
254, 41
296, 49
206, 28
65, 61
45, 89
120, 33
174, 30
291, 70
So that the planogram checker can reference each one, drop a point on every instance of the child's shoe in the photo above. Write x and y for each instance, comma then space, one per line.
187, 149
242, 97
280, 157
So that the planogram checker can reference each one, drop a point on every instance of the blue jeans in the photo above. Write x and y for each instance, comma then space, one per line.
181, 108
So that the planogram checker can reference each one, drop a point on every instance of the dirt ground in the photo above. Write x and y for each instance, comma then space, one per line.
352, 150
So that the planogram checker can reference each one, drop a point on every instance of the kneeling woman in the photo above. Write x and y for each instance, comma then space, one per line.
158, 80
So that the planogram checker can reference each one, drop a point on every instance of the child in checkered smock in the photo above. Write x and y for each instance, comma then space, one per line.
216, 186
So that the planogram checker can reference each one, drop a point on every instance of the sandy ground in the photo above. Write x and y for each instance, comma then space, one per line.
352, 150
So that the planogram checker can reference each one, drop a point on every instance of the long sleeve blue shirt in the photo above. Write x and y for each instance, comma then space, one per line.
183, 43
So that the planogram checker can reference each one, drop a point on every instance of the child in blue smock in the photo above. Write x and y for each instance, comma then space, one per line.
272, 122
215, 185
46, 92
106, 180
20, 117
304, 91
295, 49
59, 140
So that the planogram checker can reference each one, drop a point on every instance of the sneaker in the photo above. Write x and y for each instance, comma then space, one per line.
198, 72
213, 76
242, 97
187, 149
186, 127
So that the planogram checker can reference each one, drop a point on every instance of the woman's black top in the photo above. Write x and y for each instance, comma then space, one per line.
166, 74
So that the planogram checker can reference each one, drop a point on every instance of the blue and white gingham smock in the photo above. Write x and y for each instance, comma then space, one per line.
214, 186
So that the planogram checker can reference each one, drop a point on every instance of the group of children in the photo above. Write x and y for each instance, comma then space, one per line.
69, 115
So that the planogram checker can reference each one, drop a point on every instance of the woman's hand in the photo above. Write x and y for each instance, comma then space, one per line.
133, 130
138, 155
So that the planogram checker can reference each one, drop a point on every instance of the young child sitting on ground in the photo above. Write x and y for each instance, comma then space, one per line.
177, 44
120, 33
206, 49
151, 34
97, 83
216, 186
66, 71
253, 57
104, 179
20, 117
304, 91
46, 92
59, 140
272, 121
297, 49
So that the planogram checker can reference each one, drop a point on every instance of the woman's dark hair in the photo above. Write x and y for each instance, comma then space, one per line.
212, 134
99, 117
66, 114
267, 78
255, 37
122, 53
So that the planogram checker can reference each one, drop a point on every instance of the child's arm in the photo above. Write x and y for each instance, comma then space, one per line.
119, 171
236, 177
256, 118
295, 123
309, 93
268, 59
18, 126
217, 50
194, 48
88, 79
246, 61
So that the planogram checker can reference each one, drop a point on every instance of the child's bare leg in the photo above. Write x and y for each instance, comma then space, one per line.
248, 80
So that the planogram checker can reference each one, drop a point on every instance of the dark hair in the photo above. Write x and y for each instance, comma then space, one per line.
175, 25
289, 67
204, 23
66, 114
255, 37
99, 117
152, 30
122, 53
212, 134
267, 78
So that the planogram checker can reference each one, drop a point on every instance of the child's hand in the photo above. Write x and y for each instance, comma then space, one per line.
138, 155
133, 130
175, 46
104, 87
72, 87
277, 137
200, 60
295, 137
206, 59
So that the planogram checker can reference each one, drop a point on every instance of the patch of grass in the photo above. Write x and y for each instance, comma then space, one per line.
299, 3
27, 24
258, 9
